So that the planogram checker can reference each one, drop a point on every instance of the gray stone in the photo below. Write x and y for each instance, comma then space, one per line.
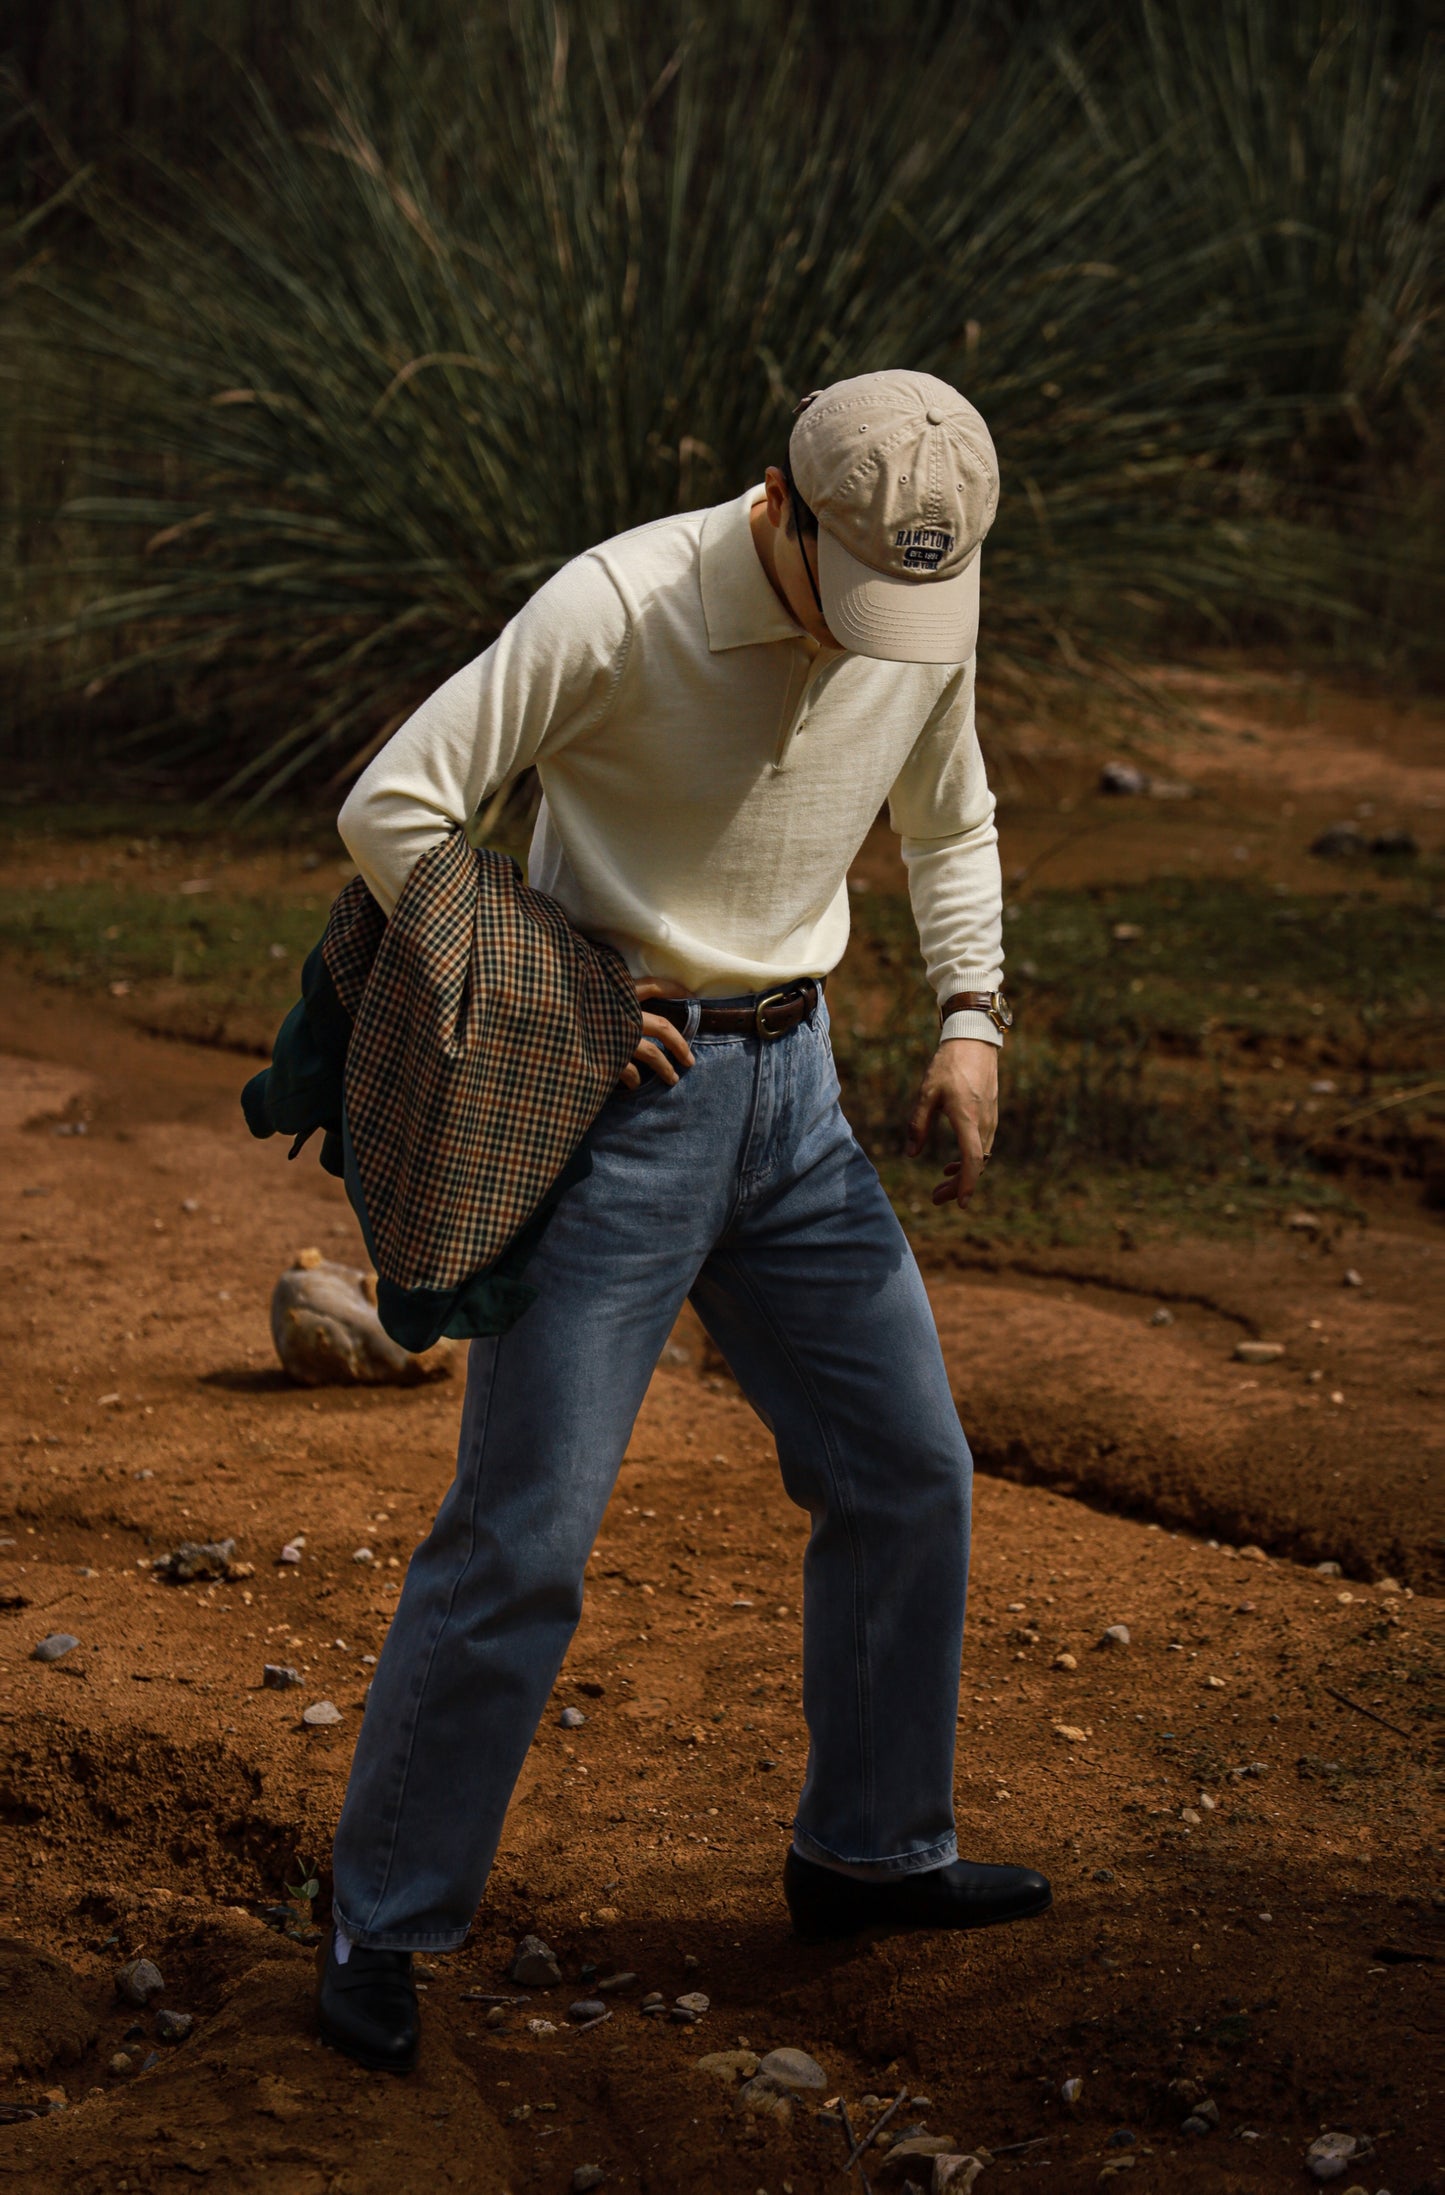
1123, 778
1328, 1570
793, 2069
1208, 2111
278, 1676
572, 1718
174, 2027
59, 1643
764, 2099
586, 2177
654, 2002
1163, 1316
327, 1333
196, 1559
138, 1981
611, 1982
1194, 2125
1116, 1635
694, 2002
535, 1964
585, 2009
1341, 842
321, 1715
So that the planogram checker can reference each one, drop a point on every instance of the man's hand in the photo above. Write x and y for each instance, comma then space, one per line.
962, 1084
659, 1038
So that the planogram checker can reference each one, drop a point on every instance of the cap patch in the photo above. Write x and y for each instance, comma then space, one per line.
924, 547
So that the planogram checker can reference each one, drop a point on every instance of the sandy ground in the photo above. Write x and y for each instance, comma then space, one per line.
1234, 1807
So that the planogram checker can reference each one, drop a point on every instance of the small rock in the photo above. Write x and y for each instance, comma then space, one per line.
278, 1676
1207, 2110
1071, 1732
586, 2177
917, 2149
174, 2027
682, 2015
535, 1964
138, 1981
1065, 1661
1214, 1684
1163, 1316
321, 1715
613, 1982
1302, 1222
55, 1647
1185, 2091
954, 2174
1328, 1570
1398, 841
1388, 1586
497, 2015
763, 2099
1253, 1554
793, 2069
1328, 2157
1103, 1874
120, 2064
541, 2027
363, 1554
653, 2002
1341, 842
571, 1718
1123, 779
1350, 1278
1194, 2125
728, 2065
291, 1552
1123, 2137
327, 1333
1116, 1635
196, 1559
1190, 1815
693, 2002
1258, 1352
586, 2009
1072, 2089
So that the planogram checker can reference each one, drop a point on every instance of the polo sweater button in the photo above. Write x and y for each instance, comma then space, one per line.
935, 419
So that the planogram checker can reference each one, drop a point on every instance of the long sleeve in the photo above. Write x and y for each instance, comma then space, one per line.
943, 811
547, 676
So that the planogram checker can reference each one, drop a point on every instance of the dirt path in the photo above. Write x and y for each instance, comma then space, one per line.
1276, 1946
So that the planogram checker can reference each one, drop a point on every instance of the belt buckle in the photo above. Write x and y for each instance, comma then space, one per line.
768, 1036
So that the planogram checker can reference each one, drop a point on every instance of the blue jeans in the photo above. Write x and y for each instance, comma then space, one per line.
744, 1188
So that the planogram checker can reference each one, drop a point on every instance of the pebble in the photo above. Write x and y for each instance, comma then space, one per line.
138, 1981
497, 2015
52, 1648
1328, 2157
196, 1559
120, 2064
1065, 1661
541, 2027
174, 2027
1163, 1316
793, 2069
587, 2009
1189, 1814
291, 1552
1072, 1732
571, 1718
1214, 1684
1185, 2091
1350, 1278
1116, 1635
1258, 1352
587, 2177
1253, 1554
955, 2175
1194, 2125
615, 1981
1123, 2137
279, 1676
1328, 1570
1207, 2110
693, 2002
364, 1554
535, 1964
764, 2099
1123, 779
1072, 2089
321, 1714
654, 2001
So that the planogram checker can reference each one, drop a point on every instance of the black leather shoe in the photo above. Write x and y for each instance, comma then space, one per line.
964, 1894
368, 2008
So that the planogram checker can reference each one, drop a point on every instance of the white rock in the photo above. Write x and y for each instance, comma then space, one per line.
327, 1333
1116, 1635
1072, 2089
363, 1554
793, 2069
1258, 1352
1329, 2157
321, 1715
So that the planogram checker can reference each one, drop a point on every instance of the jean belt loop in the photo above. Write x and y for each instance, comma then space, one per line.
694, 1016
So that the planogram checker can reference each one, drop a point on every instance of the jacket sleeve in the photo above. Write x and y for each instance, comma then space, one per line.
548, 675
943, 811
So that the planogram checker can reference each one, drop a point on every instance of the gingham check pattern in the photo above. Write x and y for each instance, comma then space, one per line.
486, 1035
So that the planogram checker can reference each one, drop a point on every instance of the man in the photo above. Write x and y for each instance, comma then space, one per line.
716, 705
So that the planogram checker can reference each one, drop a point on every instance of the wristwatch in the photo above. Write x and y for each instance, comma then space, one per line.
992, 1003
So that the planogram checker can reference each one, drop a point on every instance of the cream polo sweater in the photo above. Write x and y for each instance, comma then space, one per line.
708, 772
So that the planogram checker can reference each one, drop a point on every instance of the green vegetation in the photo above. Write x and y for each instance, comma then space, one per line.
294, 429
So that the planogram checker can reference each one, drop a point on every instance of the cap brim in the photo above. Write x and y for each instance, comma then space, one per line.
897, 620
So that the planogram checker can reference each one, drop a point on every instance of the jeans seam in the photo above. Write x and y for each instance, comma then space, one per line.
860, 1650
398, 1805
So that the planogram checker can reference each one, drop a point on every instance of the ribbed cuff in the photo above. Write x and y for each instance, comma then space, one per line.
970, 1024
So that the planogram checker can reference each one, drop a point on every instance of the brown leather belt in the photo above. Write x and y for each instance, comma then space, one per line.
769, 1017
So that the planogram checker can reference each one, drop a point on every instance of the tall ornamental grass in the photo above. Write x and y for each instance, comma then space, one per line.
340, 404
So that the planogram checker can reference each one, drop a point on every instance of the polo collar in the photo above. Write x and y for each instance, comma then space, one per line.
738, 605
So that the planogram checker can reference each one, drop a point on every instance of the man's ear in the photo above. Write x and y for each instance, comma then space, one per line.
777, 495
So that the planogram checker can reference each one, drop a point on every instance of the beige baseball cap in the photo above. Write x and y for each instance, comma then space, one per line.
902, 475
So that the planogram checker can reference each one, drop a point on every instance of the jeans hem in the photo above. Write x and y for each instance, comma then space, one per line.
396, 1939
942, 1854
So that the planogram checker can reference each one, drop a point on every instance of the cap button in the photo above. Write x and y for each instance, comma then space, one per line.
934, 418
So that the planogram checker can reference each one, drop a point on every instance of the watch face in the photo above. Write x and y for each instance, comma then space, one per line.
1002, 1012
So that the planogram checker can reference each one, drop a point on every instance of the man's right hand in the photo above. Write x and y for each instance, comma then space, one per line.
660, 1038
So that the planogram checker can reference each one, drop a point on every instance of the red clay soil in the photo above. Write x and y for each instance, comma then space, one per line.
1248, 1890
